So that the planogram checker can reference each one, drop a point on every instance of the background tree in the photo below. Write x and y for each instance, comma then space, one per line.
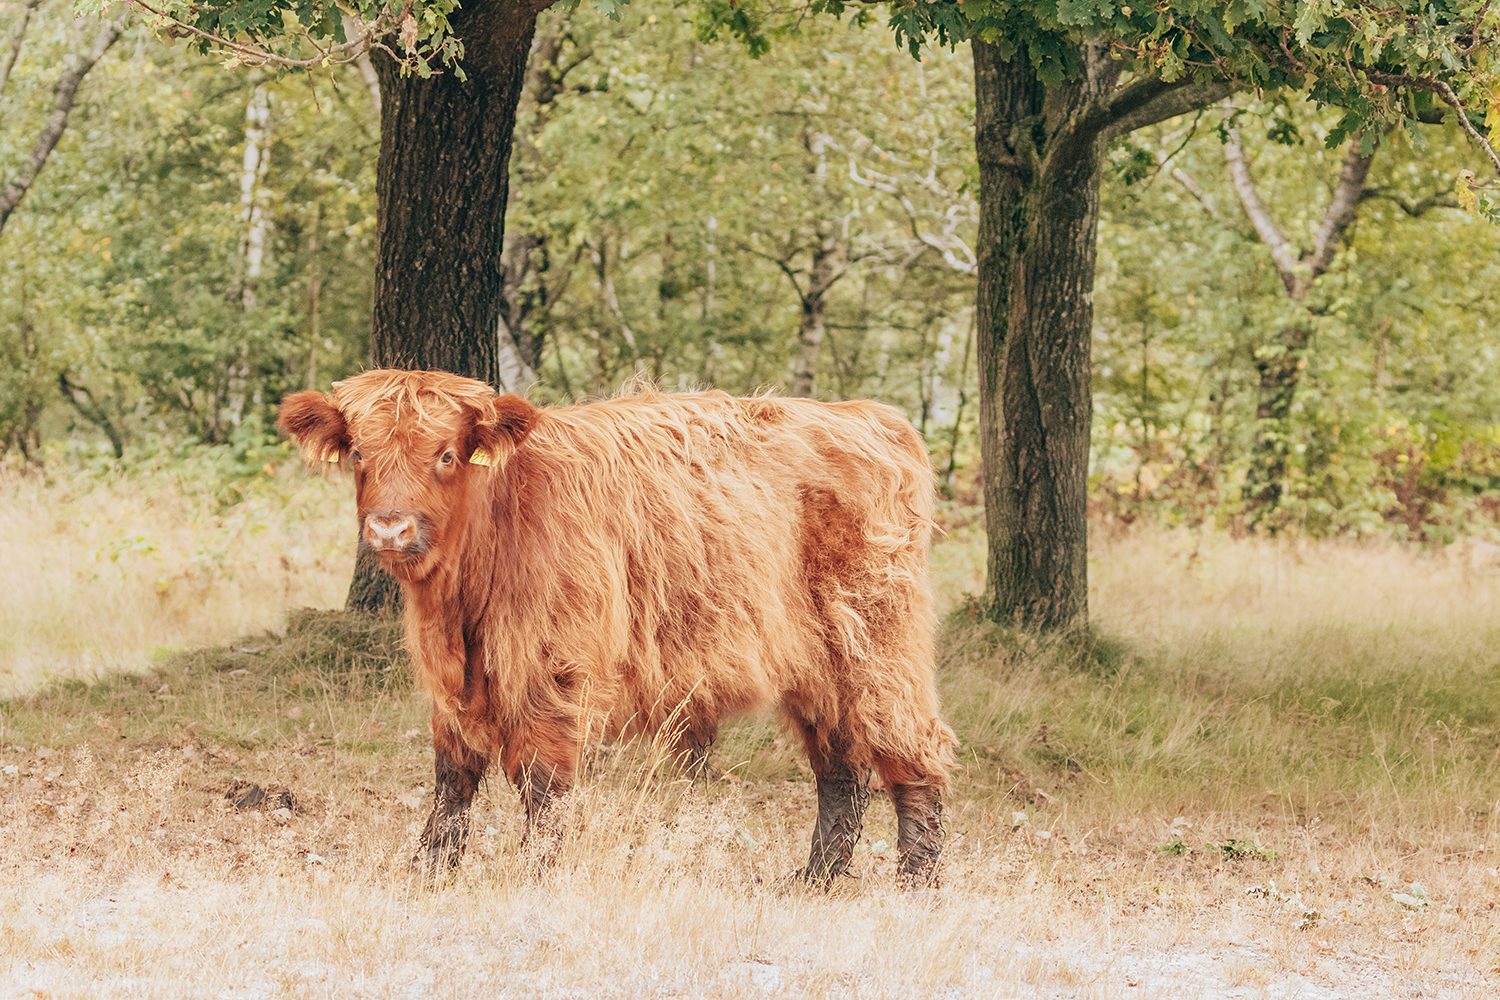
1054, 84
83, 54
122, 274
450, 81
1280, 362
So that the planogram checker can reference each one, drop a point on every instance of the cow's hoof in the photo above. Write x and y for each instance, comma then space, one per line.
925, 878
814, 879
434, 864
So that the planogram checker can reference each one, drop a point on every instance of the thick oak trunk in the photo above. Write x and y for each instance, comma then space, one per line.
441, 186
1039, 210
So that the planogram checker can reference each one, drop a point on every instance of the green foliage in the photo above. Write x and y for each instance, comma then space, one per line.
311, 34
125, 267
1401, 349
1235, 849
1380, 66
703, 175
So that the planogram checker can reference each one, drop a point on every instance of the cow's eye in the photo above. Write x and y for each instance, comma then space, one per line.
447, 458
355, 455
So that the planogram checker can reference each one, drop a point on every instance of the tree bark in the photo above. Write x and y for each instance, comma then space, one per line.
441, 187
1040, 152
256, 220
13, 50
1039, 210
91, 410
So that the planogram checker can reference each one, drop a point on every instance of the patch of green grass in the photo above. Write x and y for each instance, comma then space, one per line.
329, 677
1235, 849
1214, 726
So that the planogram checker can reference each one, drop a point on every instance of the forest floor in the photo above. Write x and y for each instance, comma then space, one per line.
1276, 774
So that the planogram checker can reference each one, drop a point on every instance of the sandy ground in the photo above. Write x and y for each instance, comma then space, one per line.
134, 875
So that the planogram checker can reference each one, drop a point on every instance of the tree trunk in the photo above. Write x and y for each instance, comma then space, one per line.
1280, 364
713, 351
314, 297
91, 410
1280, 373
256, 220
1039, 209
814, 322
526, 261
441, 186
828, 263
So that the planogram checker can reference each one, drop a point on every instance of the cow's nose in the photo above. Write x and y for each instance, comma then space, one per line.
389, 531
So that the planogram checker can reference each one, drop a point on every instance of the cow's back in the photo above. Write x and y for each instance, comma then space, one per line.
689, 556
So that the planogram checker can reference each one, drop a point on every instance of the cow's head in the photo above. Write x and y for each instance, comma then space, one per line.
415, 441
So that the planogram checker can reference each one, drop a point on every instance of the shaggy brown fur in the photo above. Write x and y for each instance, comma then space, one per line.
655, 563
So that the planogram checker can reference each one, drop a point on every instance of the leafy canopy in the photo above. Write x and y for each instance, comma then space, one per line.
1387, 64
1393, 62
1384, 63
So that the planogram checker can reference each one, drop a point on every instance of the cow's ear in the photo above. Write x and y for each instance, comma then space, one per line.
499, 428
311, 419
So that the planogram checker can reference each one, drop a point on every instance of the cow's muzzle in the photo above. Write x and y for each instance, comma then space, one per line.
395, 532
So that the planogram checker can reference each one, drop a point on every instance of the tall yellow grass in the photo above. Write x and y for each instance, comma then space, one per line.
107, 573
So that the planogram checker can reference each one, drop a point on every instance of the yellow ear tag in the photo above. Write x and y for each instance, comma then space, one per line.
331, 456
480, 457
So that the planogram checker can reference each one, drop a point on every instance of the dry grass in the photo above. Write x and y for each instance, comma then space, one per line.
109, 572
1273, 776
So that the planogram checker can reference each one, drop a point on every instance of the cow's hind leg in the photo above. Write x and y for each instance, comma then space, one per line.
457, 770
843, 791
919, 832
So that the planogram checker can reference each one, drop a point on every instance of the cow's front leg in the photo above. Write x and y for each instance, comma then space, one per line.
457, 770
541, 760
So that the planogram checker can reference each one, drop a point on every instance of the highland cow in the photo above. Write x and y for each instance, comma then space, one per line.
647, 564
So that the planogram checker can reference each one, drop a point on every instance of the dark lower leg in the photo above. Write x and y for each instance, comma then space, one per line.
541, 761
842, 794
457, 771
695, 759
539, 783
919, 832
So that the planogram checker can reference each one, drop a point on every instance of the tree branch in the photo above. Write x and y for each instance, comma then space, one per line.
1341, 209
251, 54
785, 268
1446, 92
15, 42
90, 409
1414, 207
1147, 101
75, 67
1283, 254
